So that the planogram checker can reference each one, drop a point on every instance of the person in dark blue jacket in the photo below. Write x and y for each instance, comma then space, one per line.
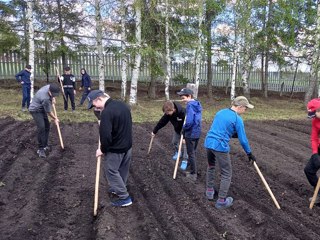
226, 124
191, 129
85, 85
24, 78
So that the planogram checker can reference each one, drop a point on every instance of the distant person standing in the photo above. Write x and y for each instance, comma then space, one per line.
191, 129
69, 86
226, 124
40, 108
24, 78
116, 143
85, 85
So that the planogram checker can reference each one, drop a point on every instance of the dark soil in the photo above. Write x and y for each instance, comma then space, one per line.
52, 198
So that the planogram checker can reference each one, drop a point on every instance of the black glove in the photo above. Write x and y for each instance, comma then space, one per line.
235, 135
251, 157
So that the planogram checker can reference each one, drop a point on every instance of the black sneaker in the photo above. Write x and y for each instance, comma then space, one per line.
41, 153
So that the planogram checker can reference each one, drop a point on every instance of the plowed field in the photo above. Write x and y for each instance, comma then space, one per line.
52, 198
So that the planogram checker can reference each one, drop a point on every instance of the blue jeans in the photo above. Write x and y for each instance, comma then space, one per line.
85, 93
26, 88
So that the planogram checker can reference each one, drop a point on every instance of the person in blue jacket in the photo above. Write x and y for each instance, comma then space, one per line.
24, 78
85, 85
191, 129
226, 124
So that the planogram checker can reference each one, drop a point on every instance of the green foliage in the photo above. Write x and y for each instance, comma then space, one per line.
180, 79
8, 38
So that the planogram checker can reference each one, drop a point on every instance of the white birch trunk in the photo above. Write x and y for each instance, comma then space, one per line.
99, 45
168, 59
31, 43
234, 72
199, 48
137, 61
124, 64
246, 67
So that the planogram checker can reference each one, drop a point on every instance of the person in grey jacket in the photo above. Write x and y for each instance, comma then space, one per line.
40, 108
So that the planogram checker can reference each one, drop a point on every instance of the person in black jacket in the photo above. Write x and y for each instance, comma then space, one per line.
116, 143
23, 78
85, 85
69, 88
174, 113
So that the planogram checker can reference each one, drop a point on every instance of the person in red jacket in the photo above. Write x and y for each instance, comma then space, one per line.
313, 164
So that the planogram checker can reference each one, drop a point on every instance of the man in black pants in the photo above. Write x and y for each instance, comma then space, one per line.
69, 87
40, 108
116, 143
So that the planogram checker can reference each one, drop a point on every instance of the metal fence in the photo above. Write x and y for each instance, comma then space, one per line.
12, 63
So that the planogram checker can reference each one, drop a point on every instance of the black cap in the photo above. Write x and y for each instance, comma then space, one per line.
185, 92
92, 96
67, 69
28, 67
54, 89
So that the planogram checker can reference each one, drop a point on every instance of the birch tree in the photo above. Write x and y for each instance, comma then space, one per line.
201, 18
137, 60
31, 42
168, 59
99, 44
124, 65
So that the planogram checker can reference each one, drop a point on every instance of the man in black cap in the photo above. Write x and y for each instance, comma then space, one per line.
69, 86
40, 108
116, 143
23, 78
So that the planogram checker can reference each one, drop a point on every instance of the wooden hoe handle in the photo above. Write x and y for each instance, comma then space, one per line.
266, 185
58, 126
150, 145
179, 151
315, 194
96, 189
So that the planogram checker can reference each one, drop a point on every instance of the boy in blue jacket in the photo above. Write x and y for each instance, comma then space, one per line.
226, 124
24, 78
191, 129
